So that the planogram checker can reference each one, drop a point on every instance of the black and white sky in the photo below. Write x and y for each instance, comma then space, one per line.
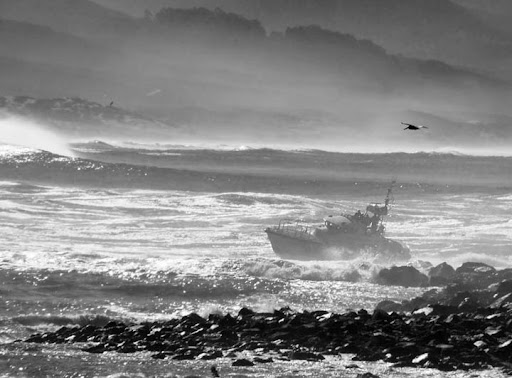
332, 74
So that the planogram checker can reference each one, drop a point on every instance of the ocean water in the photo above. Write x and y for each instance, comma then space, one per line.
146, 232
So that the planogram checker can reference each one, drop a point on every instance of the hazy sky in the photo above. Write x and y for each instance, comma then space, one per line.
215, 82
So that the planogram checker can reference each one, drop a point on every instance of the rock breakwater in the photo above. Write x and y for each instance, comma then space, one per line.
438, 336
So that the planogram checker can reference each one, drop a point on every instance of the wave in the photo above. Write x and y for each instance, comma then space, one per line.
141, 284
43, 167
287, 270
157, 147
264, 170
59, 320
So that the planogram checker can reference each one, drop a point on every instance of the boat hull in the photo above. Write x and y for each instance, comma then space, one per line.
343, 247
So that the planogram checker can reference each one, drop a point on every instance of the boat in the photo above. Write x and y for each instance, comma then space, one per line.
339, 237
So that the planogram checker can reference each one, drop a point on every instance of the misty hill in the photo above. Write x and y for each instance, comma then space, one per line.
80, 17
495, 12
502, 7
434, 29
78, 117
220, 78
42, 44
203, 22
347, 52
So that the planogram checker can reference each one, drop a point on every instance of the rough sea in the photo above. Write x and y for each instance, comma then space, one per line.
148, 232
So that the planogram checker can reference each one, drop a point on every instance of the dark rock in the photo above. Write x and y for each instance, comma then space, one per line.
244, 311
126, 347
380, 315
407, 276
242, 362
210, 356
100, 348
194, 318
474, 267
389, 306
504, 287
181, 357
434, 334
262, 360
367, 375
502, 301
441, 275
297, 355
114, 324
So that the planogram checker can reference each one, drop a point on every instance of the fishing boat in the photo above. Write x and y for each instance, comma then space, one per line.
339, 237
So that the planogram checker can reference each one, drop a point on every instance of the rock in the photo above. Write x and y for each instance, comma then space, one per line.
422, 358
380, 315
474, 267
504, 287
193, 318
367, 375
297, 355
502, 301
441, 275
214, 371
389, 306
244, 311
100, 348
262, 360
242, 362
431, 335
407, 276
210, 356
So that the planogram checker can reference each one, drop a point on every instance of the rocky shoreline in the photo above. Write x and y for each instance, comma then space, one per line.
465, 325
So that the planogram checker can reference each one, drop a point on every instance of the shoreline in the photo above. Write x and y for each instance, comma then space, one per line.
432, 337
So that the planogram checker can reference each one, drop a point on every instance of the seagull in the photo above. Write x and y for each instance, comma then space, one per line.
413, 127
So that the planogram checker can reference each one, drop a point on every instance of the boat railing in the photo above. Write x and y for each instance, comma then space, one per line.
295, 229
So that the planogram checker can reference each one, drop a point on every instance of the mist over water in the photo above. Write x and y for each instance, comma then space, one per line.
24, 132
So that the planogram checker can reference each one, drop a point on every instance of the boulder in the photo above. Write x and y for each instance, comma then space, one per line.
474, 267
407, 276
242, 362
441, 275
476, 275
504, 288
298, 355
389, 306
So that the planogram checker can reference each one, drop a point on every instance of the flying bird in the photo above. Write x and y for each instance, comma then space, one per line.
111, 103
413, 127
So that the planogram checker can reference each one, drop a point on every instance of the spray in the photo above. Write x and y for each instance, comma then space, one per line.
24, 132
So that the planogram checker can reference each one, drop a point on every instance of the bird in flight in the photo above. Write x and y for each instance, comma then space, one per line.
413, 127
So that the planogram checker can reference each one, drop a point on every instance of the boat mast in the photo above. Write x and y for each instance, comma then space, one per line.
389, 196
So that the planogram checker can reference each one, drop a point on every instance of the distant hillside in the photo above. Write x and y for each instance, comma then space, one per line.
495, 12
205, 23
434, 29
219, 77
42, 44
80, 17
503, 7
81, 118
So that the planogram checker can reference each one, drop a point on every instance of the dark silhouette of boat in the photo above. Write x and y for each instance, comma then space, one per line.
340, 237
